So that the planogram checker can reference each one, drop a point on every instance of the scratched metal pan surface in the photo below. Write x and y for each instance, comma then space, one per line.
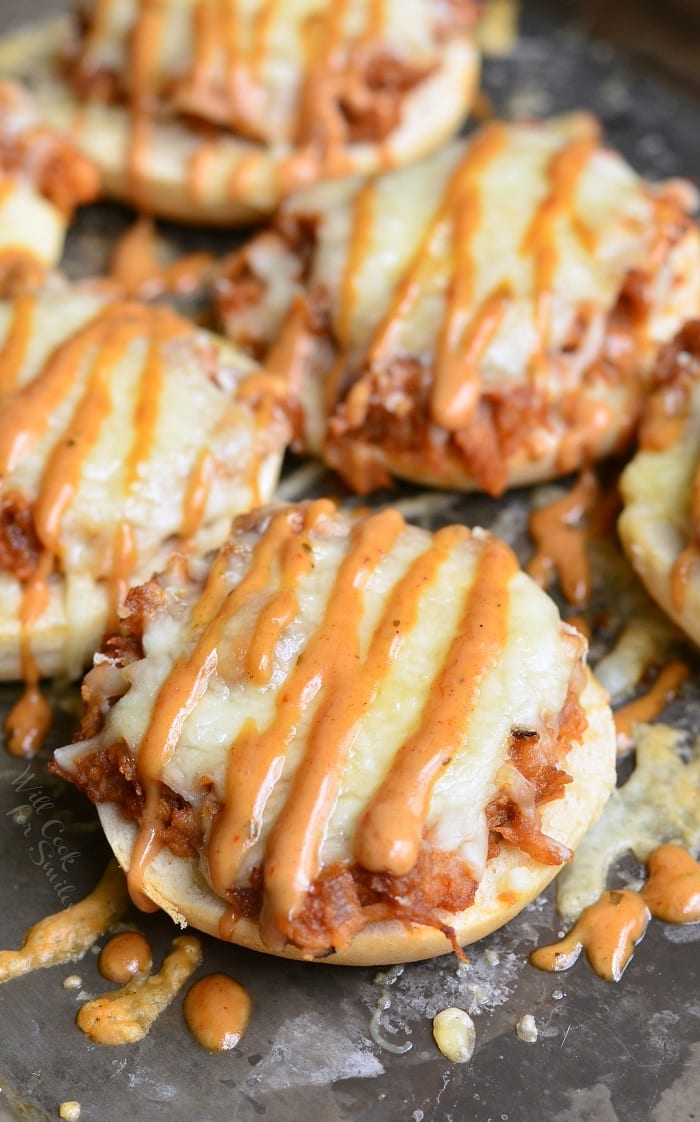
622, 1053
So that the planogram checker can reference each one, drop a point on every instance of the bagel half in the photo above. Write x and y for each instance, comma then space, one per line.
102, 470
211, 113
486, 318
660, 524
345, 739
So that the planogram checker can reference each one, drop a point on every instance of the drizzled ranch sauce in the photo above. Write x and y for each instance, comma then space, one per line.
390, 829
231, 85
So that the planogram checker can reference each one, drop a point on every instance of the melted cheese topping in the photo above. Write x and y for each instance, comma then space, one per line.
490, 269
658, 803
345, 688
96, 429
253, 66
67, 935
541, 214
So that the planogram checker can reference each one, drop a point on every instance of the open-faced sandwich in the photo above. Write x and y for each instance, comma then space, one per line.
485, 318
125, 431
343, 736
212, 112
660, 523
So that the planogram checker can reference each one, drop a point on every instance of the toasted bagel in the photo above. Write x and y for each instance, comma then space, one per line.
345, 739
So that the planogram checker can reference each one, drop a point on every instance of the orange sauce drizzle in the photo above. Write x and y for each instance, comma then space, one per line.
135, 265
292, 857
189, 678
560, 534
357, 251
125, 956
144, 45
389, 836
29, 719
288, 357
649, 705
485, 147
67, 935
126, 1015
217, 1011
608, 931
256, 761
14, 349
565, 171
197, 493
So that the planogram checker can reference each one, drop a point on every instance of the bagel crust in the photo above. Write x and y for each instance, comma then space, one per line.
211, 113
484, 319
660, 523
345, 738
102, 472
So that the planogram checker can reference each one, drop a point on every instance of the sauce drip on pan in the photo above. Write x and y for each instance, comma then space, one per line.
125, 956
650, 704
560, 532
609, 929
136, 268
127, 1014
68, 934
672, 892
217, 1010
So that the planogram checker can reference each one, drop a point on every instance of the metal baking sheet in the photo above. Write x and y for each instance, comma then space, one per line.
621, 1053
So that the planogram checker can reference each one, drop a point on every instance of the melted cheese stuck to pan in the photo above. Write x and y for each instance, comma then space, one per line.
660, 802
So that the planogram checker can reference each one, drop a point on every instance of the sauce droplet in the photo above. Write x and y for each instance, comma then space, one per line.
672, 892
125, 956
126, 1015
217, 1010
650, 704
608, 931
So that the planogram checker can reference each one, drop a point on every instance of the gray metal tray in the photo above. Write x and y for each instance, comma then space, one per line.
620, 1053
